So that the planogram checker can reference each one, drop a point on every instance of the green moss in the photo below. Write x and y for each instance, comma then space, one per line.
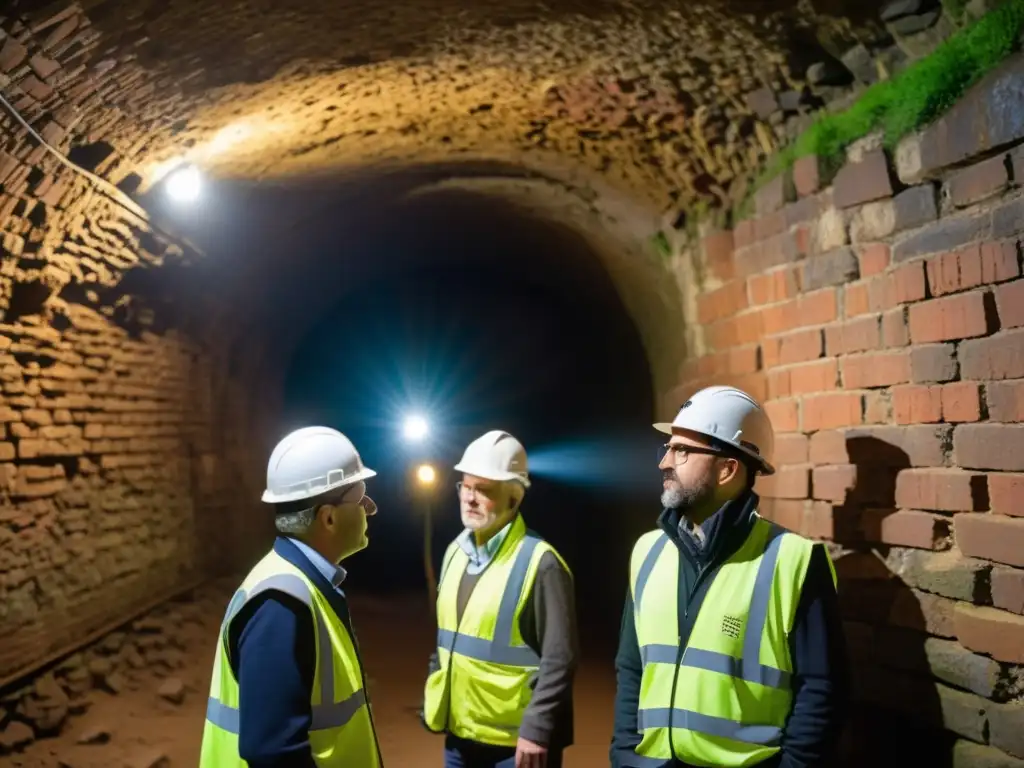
661, 245
954, 8
916, 96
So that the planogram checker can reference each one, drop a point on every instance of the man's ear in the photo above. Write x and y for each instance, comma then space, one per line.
325, 515
728, 471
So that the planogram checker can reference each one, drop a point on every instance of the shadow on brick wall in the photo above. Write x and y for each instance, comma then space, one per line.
896, 716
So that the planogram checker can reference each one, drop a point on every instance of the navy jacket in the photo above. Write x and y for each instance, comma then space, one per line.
272, 652
818, 650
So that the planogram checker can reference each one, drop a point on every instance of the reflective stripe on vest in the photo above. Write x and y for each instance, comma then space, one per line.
744, 701
332, 739
484, 663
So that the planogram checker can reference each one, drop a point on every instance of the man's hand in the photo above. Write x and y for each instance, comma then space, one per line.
530, 755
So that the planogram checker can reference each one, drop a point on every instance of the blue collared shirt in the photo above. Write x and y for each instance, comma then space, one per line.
480, 557
335, 574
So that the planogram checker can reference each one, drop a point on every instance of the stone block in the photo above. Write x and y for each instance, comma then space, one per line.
864, 181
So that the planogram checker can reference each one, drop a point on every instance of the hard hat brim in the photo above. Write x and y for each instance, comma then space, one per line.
269, 497
498, 477
663, 426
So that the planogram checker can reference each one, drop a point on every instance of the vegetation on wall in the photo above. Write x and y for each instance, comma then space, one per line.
915, 97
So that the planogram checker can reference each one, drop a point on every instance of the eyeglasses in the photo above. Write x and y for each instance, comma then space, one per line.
681, 452
487, 492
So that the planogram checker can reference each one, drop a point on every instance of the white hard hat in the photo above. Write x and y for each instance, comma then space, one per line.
730, 416
496, 456
311, 461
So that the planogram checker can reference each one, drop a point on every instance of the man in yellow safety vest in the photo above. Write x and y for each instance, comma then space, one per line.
500, 681
288, 685
731, 649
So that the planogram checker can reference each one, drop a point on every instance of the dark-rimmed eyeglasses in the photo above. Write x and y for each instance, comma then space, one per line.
681, 452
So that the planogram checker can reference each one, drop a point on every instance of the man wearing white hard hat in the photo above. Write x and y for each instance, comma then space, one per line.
288, 687
731, 650
500, 682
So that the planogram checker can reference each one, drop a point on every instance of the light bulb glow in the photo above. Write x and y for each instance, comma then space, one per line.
184, 184
415, 428
425, 474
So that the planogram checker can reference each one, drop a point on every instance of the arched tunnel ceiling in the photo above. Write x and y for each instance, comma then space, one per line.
649, 94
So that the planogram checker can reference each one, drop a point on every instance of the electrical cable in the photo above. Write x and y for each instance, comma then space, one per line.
115, 195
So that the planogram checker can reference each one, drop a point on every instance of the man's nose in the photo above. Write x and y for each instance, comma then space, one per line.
369, 506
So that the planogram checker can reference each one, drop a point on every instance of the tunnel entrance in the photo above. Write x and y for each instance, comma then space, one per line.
490, 318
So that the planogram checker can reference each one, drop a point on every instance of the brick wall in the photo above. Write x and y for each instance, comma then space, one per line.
125, 449
882, 320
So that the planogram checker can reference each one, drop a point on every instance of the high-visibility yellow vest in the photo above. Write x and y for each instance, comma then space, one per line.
342, 732
724, 699
483, 685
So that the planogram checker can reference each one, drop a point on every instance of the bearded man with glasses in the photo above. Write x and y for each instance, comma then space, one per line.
731, 650
499, 684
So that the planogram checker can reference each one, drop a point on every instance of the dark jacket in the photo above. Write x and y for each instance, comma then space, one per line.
818, 650
547, 624
272, 652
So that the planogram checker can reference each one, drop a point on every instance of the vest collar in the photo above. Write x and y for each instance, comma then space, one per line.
725, 530
285, 548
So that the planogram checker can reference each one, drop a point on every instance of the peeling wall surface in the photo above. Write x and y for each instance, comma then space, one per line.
880, 317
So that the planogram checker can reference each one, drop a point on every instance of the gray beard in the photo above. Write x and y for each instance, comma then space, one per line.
680, 498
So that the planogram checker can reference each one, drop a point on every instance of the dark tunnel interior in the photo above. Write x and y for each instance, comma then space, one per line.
478, 315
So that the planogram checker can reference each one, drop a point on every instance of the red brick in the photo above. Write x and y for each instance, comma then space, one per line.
788, 513
820, 376
923, 445
997, 447
955, 271
780, 318
831, 483
1010, 302
862, 182
828, 447
943, 490
743, 234
932, 363
824, 521
906, 528
770, 349
998, 357
1006, 493
990, 631
917, 404
775, 286
874, 259
842, 409
961, 402
877, 407
857, 299
859, 335
999, 261
954, 317
718, 251
894, 328
778, 384
979, 181
1008, 589
991, 537
722, 302
786, 483
818, 307
923, 612
806, 177
743, 360
784, 415
908, 283
880, 369
801, 346
790, 449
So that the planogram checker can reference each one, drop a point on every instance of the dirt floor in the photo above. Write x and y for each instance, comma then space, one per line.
156, 721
